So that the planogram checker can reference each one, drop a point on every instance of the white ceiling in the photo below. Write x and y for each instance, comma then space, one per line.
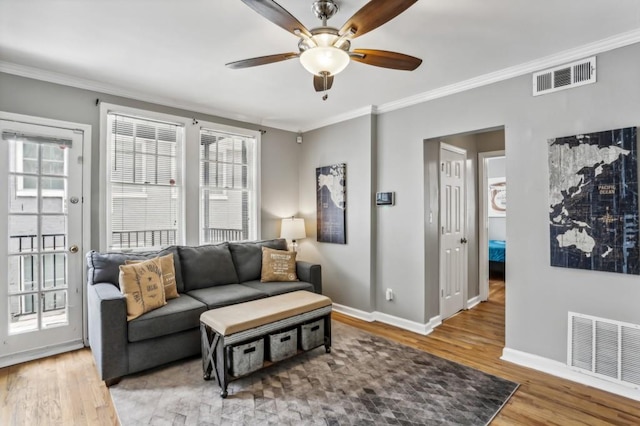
173, 52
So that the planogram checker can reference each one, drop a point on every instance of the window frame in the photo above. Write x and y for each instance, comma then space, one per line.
105, 176
255, 184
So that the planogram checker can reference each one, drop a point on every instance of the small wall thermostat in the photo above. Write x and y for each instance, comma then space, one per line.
385, 198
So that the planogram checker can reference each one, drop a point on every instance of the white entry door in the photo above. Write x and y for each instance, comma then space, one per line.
41, 256
453, 253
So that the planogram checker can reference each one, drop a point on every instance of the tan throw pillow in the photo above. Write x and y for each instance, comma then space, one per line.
278, 265
142, 285
168, 275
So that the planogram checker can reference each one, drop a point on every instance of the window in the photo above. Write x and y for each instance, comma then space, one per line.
227, 186
175, 180
144, 193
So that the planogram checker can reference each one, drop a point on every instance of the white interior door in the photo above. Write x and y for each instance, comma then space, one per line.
453, 253
41, 255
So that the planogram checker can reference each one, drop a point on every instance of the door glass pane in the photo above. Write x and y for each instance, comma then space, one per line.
21, 200
54, 196
54, 230
23, 313
23, 233
23, 273
54, 308
54, 270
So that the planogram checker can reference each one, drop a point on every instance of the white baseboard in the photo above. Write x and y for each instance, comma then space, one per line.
405, 324
352, 312
39, 353
562, 370
471, 303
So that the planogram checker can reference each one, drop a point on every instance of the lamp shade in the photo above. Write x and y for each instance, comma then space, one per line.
293, 229
324, 59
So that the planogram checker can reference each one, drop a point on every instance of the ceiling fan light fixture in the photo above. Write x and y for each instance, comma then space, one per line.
326, 59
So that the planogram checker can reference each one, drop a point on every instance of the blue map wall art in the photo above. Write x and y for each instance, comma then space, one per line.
593, 198
331, 203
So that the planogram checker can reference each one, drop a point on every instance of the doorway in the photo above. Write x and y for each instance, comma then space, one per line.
492, 218
41, 253
473, 143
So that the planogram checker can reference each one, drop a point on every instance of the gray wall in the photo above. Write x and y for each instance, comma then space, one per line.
538, 296
348, 275
279, 151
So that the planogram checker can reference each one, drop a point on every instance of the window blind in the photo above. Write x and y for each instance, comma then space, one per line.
145, 185
227, 186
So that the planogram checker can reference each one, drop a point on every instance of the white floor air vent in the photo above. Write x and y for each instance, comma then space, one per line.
565, 76
605, 348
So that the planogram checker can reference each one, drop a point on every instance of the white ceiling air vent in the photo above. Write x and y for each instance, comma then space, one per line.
565, 76
604, 348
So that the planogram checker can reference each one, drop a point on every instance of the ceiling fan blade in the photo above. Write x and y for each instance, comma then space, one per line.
278, 15
374, 14
318, 83
386, 59
262, 60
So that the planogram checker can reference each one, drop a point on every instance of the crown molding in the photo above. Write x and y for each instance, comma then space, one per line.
570, 55
360, 112
604, 45
109, 89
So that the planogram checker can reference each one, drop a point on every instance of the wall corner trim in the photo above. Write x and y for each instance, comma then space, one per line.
559, 369
405, 324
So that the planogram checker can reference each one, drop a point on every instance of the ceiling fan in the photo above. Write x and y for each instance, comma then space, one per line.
325, 51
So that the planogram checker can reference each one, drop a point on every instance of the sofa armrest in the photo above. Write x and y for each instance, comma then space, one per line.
311, 273
107, 317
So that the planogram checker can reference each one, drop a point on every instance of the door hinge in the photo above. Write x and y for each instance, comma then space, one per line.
442, 292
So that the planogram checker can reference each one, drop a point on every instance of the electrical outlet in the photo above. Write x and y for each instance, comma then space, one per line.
389, 294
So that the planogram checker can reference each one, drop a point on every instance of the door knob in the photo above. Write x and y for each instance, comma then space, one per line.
73, 249
463, 240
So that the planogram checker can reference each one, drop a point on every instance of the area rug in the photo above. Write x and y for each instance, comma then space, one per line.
365, 380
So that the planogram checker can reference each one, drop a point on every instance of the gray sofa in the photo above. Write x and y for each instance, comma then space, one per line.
207, 277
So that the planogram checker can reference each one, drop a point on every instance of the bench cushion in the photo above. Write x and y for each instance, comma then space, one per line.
177, 315
278, 287
223, 295
236, 318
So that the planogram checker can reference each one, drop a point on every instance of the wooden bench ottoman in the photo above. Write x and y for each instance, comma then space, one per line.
234, 337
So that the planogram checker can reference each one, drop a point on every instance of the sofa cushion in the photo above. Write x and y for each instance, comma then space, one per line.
247, 257
177, 315
276, 287
207, 266
223, 295
104, 267
142, 286
168, 275
278, 265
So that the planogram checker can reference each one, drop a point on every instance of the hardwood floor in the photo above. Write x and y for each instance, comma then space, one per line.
65, 389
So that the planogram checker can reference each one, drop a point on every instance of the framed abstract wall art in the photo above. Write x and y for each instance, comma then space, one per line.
331, 203
497, 197
593, 196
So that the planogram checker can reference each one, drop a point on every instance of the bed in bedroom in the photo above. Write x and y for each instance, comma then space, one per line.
497, 250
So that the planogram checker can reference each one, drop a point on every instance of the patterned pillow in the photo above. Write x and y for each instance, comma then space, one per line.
168, 275
142, 286
278, 265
